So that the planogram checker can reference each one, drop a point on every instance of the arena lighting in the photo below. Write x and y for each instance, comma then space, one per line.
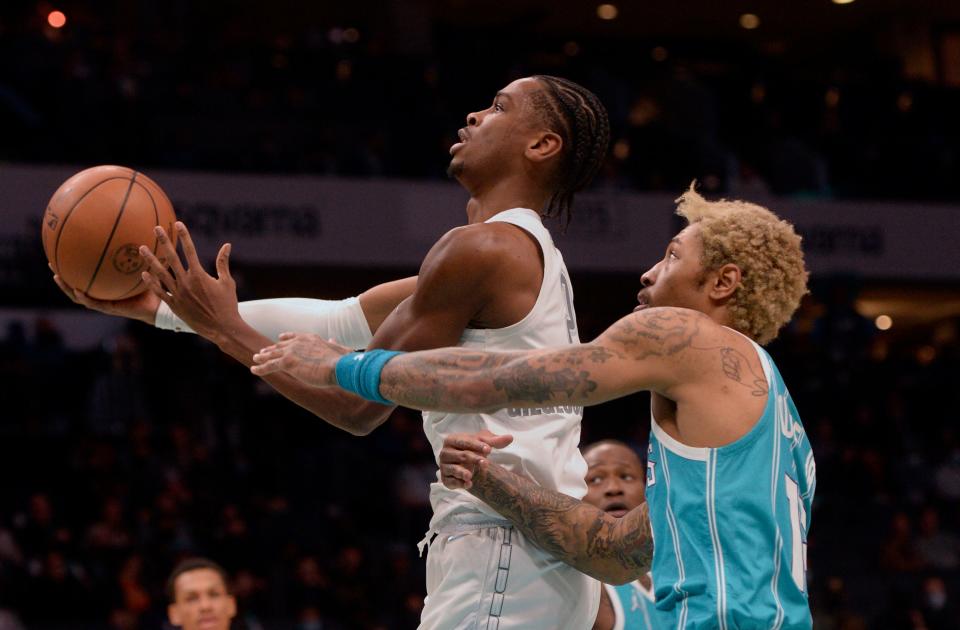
749, 21
659, 53
883, 322
621, 149
926, 355
56, 19
843, 1
832, 97
607, 11
905, 102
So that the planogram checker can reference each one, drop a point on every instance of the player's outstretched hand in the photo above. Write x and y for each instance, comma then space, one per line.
142, 307
464, 455
309, 358
207, 304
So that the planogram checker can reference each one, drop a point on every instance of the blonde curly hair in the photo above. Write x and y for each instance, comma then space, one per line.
767, 250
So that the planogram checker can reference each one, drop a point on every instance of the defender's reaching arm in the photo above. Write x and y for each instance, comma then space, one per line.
644, 350
613, 550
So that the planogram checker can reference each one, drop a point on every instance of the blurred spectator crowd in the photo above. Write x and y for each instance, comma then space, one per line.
177, 85
118, 461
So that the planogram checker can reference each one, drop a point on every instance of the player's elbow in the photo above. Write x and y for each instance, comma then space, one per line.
629, 562
617, 575
359, 430
359, 422
361, 425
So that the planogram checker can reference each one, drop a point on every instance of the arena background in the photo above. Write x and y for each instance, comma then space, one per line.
314, 136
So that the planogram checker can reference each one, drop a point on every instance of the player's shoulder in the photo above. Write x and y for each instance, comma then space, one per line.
481, 243
676, 328
671, 320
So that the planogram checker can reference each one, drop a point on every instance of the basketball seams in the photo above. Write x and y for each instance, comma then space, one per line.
66, 217
156, 215
116, 223
156, 241
132, 289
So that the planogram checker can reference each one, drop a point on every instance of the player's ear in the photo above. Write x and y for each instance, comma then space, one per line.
726, 281
544, 146
232, 608
173, 615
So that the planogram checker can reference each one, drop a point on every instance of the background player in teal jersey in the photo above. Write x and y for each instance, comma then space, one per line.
615, 481
731, 474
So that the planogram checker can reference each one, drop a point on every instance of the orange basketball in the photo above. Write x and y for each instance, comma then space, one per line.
96, 222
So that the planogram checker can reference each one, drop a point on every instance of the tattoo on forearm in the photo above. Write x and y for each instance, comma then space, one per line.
460, 379
607, 548
562, 376
538, 384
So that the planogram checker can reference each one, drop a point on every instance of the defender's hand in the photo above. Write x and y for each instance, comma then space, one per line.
207, 304
141, 307
464, 455
308, 358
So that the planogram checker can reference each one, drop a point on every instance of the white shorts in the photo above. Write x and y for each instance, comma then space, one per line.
495, 579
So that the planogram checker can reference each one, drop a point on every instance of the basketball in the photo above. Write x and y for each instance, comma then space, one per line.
94, 225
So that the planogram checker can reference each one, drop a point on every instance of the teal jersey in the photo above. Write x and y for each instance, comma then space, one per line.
730, 524
633, 608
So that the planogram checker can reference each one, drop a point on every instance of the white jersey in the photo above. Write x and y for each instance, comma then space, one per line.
545, 441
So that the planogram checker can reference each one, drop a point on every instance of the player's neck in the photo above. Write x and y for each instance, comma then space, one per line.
486, 202
646, 581
720, 314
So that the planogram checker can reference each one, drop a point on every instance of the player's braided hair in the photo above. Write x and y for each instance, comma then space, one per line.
580, 118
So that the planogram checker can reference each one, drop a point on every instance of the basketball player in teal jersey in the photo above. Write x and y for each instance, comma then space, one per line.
730, 473
615, 482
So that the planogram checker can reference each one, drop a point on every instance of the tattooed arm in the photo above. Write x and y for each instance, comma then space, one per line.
654, 349
614, 550
644, 350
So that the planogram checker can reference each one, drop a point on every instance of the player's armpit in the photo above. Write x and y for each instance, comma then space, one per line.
612, 550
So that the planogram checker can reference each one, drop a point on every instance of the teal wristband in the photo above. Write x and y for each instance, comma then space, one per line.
359, 373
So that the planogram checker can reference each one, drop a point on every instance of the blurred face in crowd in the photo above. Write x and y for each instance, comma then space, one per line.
615, 479
502, 140
201, 601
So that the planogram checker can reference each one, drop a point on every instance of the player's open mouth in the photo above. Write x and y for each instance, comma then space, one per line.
616, 509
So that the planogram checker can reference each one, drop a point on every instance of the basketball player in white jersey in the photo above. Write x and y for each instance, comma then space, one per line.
497, 283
